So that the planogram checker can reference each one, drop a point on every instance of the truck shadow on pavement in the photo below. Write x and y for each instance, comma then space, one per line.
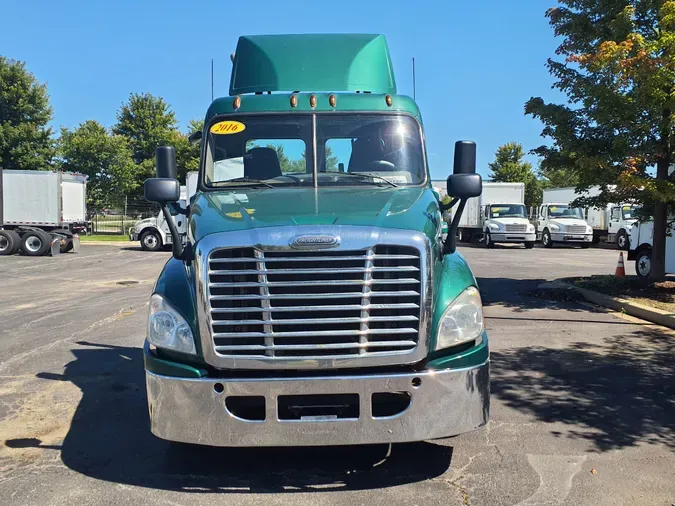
524, 294
109, 439
615, 394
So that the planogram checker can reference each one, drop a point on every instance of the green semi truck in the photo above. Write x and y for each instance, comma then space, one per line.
315, 299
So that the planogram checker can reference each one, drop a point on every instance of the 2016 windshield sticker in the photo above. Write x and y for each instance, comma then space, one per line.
227, 128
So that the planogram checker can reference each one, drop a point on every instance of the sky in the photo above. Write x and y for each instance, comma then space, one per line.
477, 63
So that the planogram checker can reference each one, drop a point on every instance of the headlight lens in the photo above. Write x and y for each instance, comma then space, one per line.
494, 227
167, 328
554, 227
462, 321
589, 230
530, 228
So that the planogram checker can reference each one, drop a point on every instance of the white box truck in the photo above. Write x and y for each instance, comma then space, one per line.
39, 209
611, 223
559, 222
498, 215
153, 233
642, 243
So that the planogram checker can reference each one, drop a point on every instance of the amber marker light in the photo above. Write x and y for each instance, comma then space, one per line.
294, 101
236, 103
388, 100
332, 100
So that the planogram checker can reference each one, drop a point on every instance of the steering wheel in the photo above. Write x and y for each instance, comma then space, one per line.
294, 178
381, 166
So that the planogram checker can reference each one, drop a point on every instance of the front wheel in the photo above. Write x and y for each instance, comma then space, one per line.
546, 239
151, 240
622, 241
585, 245
488, 240
529, 245
643, 264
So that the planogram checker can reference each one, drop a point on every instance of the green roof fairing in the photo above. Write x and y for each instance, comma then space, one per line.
328, 62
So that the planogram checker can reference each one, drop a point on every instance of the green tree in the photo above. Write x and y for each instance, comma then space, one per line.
147, 122
509, 167
554, 177
617, 69
25, 139
92, 150
187, 153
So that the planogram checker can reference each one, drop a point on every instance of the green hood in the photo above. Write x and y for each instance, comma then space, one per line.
247, 208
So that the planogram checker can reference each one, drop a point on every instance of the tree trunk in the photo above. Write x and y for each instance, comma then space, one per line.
658, 270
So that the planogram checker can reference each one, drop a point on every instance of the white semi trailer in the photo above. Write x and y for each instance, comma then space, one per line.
611, 223
41, 211
498, 215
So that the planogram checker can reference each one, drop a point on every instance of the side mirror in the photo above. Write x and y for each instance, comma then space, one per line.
161, 190
465, 186
195, 136
165, 158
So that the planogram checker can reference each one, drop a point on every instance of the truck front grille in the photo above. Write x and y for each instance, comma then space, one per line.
309, 304
515, 228
575, 229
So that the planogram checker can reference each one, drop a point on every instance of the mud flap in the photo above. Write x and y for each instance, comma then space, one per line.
55, 246
76, 244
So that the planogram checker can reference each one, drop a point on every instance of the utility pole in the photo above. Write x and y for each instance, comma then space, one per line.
414, 81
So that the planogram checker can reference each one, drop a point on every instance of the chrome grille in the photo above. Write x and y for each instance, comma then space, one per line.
575, 229
516, 227
309, 304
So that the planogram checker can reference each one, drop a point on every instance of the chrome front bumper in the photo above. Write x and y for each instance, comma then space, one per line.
513, 237
445, 403
579, 238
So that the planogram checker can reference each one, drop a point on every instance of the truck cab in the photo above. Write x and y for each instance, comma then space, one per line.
621, 221
562, 223
507, 223
315, 301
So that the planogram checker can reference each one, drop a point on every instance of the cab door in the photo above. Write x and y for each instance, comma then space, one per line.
614, 220
541, 219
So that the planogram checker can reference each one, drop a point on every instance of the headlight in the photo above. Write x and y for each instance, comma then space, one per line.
554, 227
462, 321
167, 328
589, 230
494, 227
530, 228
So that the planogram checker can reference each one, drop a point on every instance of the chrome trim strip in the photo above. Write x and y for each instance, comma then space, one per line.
445, 403
277, 239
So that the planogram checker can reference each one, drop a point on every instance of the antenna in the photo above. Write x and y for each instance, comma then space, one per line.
414, 81
211, 79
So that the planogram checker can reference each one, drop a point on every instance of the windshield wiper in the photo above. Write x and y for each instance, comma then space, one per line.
369, 176
245, 180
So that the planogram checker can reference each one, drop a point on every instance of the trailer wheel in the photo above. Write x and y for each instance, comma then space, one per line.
35, 243
10, 242
546, 239
151, 240
622, 240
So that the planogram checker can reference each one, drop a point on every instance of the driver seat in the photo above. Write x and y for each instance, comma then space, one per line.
261, 163
366, 151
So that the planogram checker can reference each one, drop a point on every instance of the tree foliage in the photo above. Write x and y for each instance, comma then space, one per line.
106, 158
509, 167
299, 165
25, 138
147, 122
617, 68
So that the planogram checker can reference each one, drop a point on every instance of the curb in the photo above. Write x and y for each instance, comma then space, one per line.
108, 243
651, 314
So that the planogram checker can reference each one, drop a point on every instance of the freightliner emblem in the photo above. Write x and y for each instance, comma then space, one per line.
315, 242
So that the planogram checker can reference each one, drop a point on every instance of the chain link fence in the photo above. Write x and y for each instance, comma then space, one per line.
117, 218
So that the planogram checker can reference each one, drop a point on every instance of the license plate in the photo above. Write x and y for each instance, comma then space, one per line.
574, 237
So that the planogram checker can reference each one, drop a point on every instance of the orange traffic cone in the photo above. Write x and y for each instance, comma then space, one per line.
620, 270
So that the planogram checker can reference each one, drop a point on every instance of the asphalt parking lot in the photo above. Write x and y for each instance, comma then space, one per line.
583, 401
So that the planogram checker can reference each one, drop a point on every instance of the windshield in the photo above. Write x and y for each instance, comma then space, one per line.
563, 211
629, 212
351, 150
507, 211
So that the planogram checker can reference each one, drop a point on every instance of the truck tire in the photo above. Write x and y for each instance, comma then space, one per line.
10, 242
151, 240
488, 240
35, 243
65, 248
622, 240
643, 264
546, 239
585, 245
529, 244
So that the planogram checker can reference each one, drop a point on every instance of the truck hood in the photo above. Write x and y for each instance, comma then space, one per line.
510, 221
568, 222
246, 208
